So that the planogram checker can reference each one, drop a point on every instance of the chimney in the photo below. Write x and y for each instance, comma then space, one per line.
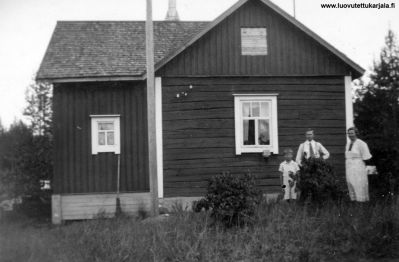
172, 14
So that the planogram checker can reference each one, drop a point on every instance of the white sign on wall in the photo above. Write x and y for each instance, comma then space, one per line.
253, 41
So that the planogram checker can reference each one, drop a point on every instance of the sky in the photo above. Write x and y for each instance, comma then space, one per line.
26, 27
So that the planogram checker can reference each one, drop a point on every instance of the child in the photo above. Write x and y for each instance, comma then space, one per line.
289, 169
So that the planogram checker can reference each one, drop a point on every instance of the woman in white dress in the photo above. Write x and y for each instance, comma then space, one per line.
357, 152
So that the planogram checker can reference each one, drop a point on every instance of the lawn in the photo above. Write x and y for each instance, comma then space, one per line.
281, 232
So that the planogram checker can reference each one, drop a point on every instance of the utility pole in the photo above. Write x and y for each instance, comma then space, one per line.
294, 8
152, 143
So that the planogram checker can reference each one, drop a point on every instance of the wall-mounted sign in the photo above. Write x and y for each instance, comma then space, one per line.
253, 41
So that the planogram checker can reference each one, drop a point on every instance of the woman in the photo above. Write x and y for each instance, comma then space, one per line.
357, 152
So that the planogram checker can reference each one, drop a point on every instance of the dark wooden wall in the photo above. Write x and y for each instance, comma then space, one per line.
290, 51
76, 170
199, 136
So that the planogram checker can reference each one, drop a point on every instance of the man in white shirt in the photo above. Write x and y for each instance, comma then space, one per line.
311, 149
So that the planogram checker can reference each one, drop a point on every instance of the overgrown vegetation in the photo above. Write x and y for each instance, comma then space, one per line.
318, 183
26, 154
232, 199
280, 232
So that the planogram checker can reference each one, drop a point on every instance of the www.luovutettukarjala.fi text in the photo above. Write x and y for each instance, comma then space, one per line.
359, 5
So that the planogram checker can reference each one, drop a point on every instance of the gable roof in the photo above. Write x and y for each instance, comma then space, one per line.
110, 50
101, 49
357, 69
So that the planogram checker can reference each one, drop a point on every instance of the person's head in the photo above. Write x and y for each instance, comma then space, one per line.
352, 133
288, 154
309, 134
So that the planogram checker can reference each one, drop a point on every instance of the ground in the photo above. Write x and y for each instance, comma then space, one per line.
281, 232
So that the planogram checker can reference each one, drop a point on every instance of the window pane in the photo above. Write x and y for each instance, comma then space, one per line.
249, 132
255, 109
101, 138
264, 109
246, 109
110, 138
264, 132
106, 126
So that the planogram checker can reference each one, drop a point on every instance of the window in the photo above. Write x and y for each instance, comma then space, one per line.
253, 41
105, 134
256, 123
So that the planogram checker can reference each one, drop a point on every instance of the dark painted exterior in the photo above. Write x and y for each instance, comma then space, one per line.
290, 51
76, 170
199, 132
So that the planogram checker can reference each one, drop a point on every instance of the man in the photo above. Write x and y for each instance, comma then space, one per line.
311, 149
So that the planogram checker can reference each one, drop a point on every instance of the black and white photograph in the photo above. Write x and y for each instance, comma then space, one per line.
199, 130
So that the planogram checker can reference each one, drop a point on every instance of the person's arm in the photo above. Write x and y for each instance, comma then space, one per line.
365, 152
281, 169
281, 179
324, 151
299, 154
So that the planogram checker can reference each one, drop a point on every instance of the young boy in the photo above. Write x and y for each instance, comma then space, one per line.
289, 169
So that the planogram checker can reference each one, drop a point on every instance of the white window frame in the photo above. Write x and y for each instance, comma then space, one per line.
238, 101
95, 147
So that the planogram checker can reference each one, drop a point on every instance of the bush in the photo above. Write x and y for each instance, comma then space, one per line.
200, 205
232, 199
319, 183
35, 207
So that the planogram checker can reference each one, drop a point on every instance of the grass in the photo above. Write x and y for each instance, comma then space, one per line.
282, 232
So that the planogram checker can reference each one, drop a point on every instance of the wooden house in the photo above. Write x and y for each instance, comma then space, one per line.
253, 79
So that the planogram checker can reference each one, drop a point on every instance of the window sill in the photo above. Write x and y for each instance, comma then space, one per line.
245, 150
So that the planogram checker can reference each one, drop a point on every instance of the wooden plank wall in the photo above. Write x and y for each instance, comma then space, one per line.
199, 136
81, 206
290, 51
76, 170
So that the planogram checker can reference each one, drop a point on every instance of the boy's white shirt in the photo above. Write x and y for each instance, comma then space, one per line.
317, 149
286, 167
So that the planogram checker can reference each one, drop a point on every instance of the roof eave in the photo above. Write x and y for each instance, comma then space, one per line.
54, 80
357, 68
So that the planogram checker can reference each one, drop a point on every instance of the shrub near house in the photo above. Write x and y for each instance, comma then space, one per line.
233, 199
318, 182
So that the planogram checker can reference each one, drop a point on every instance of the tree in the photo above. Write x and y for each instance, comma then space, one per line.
38, 160
376, 112
14, 145
26, 152
39, 109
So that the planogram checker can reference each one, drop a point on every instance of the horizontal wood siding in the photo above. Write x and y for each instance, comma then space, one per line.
76, 170
199, 136
82, 206
290, 51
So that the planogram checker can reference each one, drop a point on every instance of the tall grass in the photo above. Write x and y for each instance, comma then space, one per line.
282, 232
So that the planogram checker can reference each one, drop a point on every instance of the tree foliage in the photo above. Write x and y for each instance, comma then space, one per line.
26, 149
12, 145
39, 108
25, 159
376, 113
